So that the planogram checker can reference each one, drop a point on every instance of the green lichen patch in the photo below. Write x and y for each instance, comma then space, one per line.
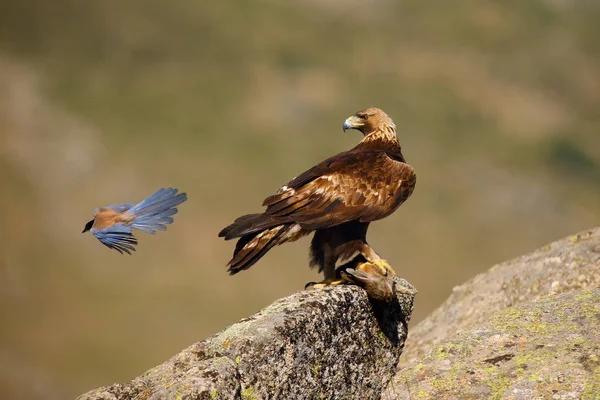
549, 347
248, 394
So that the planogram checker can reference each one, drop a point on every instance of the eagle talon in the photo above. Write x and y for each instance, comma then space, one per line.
379, 267
384, 267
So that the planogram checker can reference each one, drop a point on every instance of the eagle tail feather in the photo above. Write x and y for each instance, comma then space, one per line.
250, 248
247, 224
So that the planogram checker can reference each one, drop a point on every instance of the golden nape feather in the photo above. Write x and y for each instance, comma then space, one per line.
337, 199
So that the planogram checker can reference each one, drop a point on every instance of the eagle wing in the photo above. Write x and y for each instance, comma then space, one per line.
365, 186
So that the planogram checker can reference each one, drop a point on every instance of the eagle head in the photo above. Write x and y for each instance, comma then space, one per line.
369, 120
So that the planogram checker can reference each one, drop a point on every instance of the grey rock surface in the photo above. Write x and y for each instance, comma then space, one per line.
315, 344
519, 297
572, 263
546, 349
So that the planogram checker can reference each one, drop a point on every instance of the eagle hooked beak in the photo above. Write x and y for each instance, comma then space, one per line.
352, 123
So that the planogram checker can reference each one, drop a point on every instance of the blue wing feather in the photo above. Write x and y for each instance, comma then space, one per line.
117, 237
120, 208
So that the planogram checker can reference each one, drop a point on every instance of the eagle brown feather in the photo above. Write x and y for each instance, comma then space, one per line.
337, 198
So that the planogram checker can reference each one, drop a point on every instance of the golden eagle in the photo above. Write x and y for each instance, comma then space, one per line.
337, 199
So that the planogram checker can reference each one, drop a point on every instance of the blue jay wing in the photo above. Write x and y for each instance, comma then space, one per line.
120, 208
117, 237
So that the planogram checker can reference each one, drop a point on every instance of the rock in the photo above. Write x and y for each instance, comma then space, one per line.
568, 264
545, 349
507, 290
318, 344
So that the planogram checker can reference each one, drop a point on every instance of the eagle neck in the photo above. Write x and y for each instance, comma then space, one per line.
382, 138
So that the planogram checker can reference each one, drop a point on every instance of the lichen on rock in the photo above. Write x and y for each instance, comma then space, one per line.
572, 263
545, 349
528, 328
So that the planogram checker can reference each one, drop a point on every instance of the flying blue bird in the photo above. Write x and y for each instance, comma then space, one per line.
112, 225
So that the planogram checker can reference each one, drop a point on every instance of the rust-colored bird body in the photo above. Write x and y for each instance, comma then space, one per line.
105, 217
337, 199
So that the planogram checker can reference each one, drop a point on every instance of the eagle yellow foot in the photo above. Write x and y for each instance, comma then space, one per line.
326, 282
377, 267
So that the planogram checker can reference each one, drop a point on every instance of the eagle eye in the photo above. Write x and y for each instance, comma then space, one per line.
362, 116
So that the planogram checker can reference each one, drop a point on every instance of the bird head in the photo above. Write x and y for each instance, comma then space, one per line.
368, 121
88, 226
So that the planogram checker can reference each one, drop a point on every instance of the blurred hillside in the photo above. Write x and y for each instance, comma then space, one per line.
104, 102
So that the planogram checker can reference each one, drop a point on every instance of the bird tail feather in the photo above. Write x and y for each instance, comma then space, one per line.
250, 224
156, 211
252, 247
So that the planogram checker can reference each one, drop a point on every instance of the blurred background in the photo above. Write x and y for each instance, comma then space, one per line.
497, 106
